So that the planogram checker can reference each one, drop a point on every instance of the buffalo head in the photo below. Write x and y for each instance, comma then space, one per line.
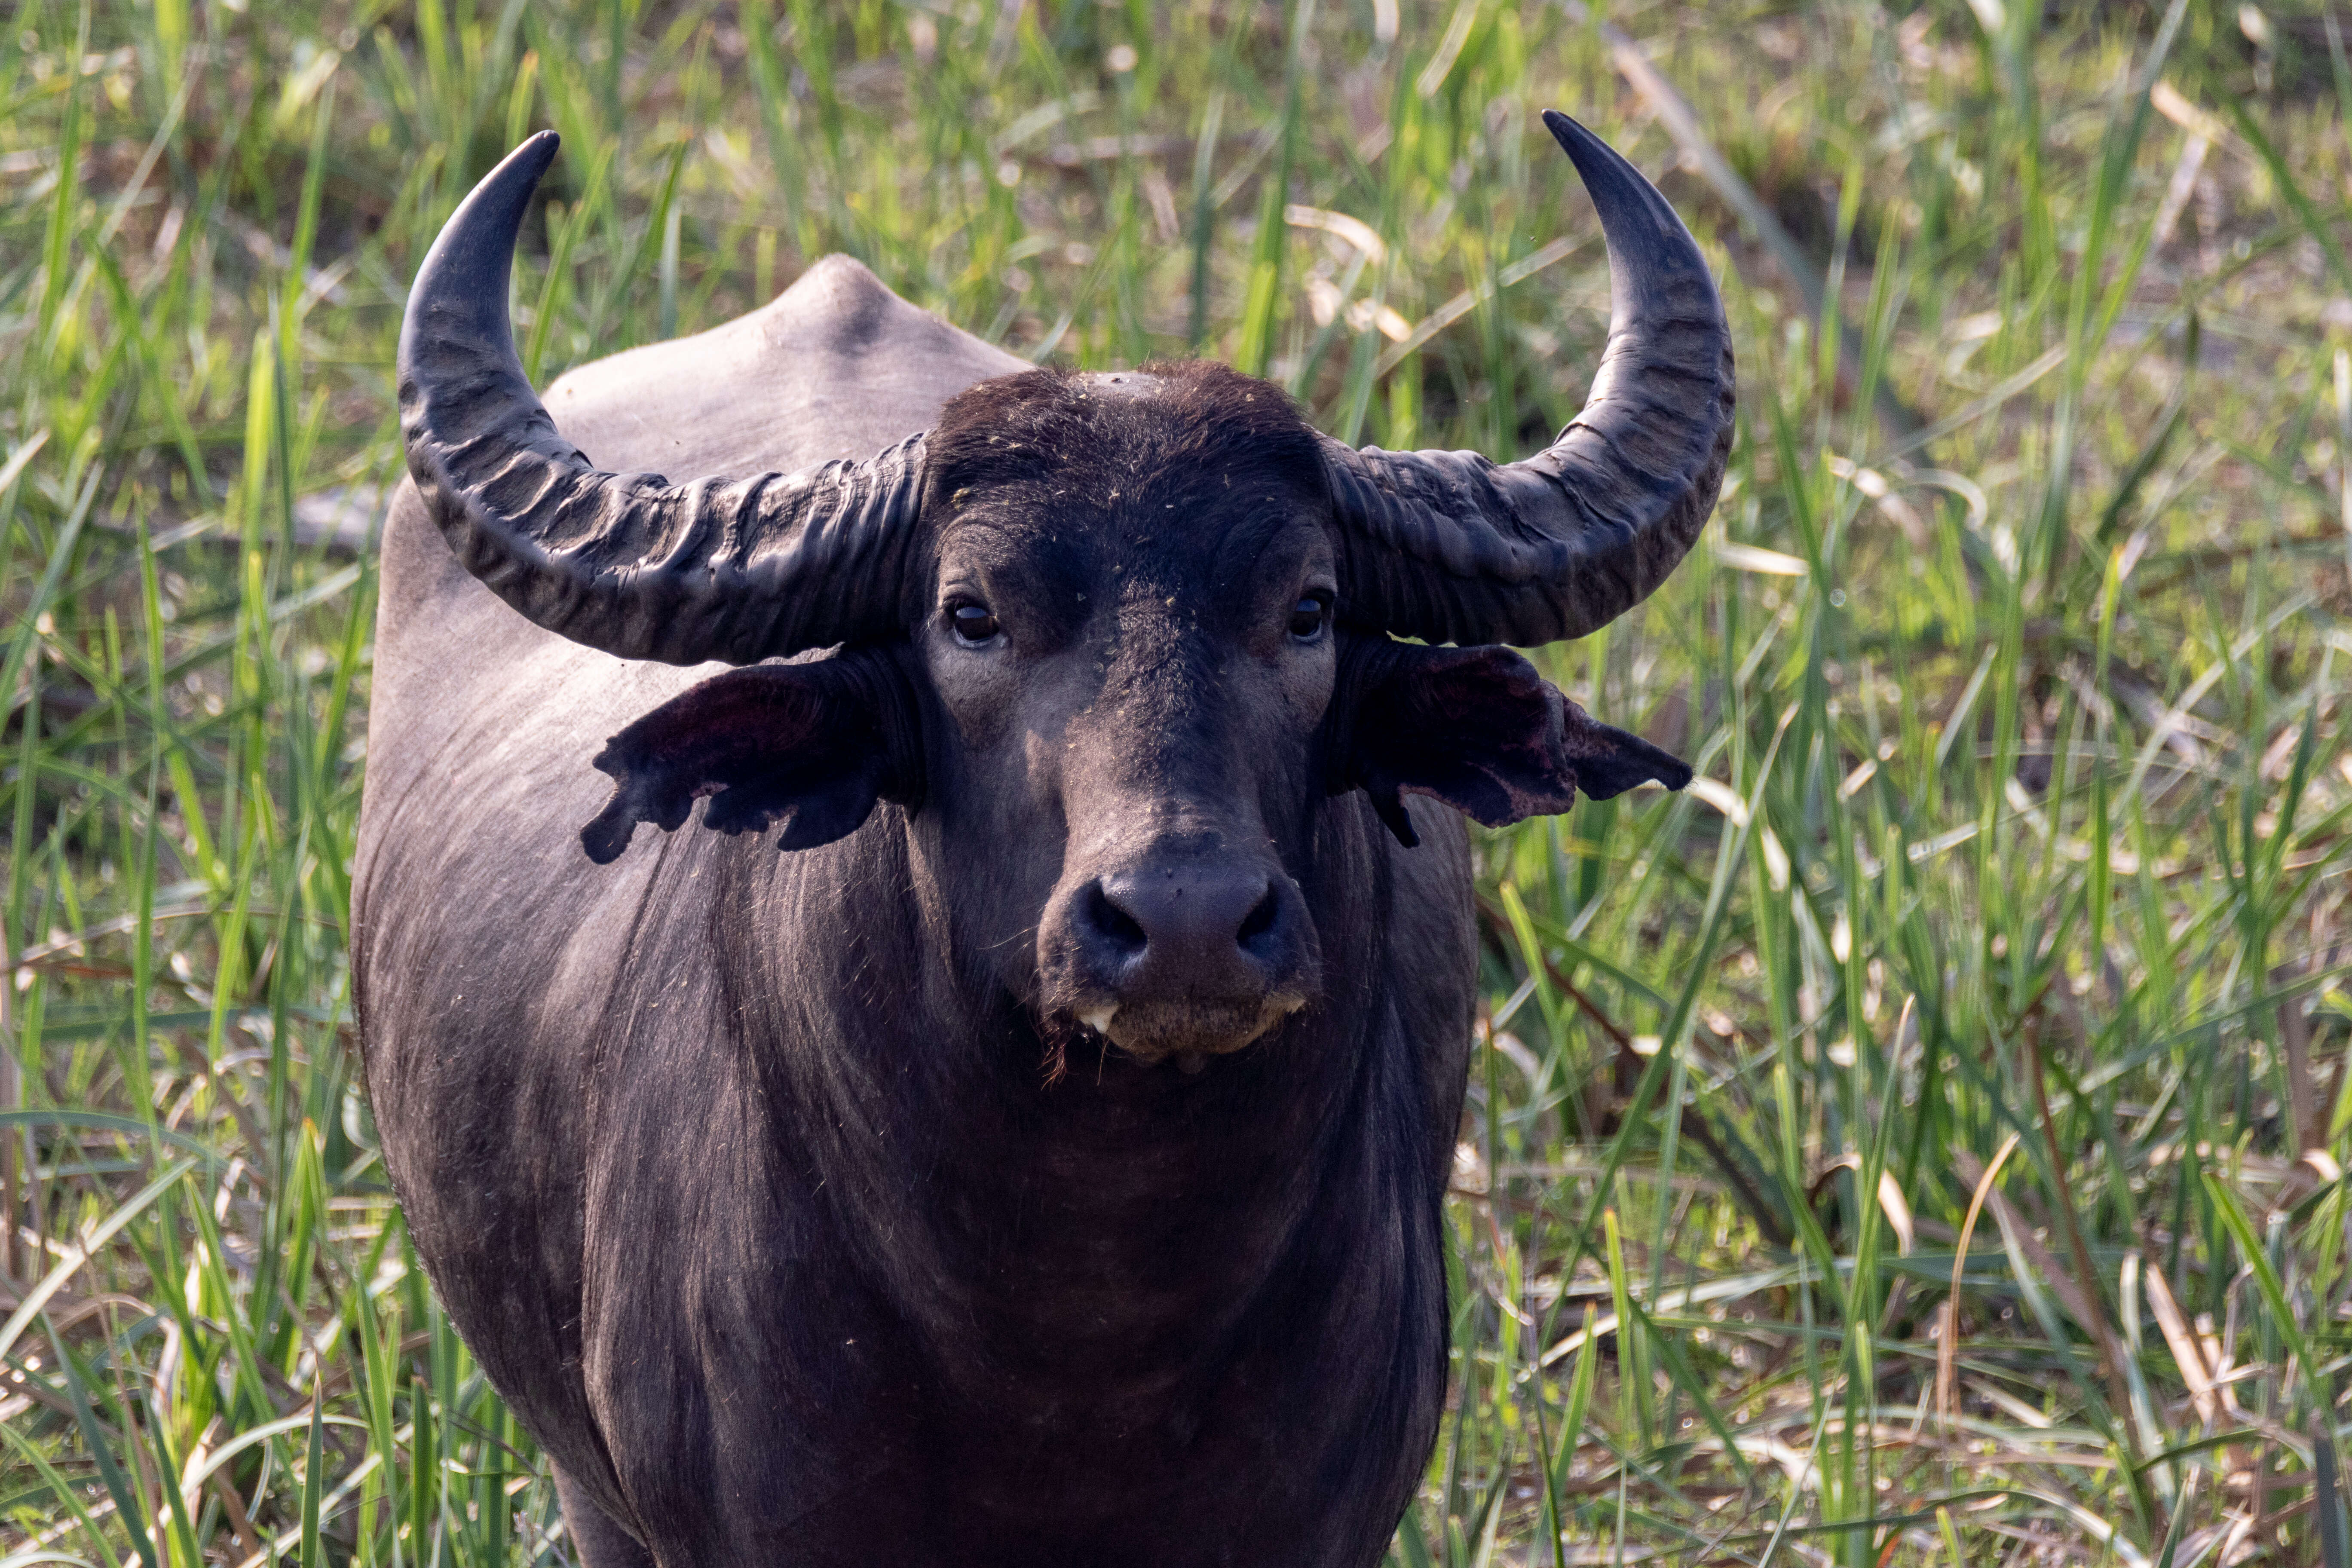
1115, 639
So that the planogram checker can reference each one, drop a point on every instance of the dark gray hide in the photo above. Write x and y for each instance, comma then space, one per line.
783, 1195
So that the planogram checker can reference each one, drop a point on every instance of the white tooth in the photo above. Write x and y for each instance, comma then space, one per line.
1097, 1019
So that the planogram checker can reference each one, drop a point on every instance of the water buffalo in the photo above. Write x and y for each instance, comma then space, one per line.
1039, 1160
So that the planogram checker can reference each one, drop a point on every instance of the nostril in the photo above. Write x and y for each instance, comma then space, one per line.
1115, 923
1261, 918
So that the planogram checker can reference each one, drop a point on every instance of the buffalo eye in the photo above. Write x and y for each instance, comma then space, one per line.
1307, 618
973, 623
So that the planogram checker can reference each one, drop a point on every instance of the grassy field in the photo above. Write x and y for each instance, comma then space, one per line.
1919, 1143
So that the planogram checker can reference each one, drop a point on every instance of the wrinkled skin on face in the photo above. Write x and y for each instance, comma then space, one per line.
1123, 701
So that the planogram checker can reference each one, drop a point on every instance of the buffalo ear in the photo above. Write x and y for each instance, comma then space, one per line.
813, 745
1478, 729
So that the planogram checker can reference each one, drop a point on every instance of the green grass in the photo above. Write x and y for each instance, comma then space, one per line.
2018, 657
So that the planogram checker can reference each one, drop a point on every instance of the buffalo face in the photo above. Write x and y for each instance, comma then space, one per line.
1132, 651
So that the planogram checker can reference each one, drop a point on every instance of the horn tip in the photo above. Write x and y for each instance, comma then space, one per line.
1575, 138
520, 172
1637, 221
528, 164
1597, 162
540, 149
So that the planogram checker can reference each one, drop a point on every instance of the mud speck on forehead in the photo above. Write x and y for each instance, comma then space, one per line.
1138, 383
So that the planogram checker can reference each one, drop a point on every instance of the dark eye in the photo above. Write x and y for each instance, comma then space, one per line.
973, 623
1307, 618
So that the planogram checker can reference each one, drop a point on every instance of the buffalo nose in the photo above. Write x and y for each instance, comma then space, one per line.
1193, 929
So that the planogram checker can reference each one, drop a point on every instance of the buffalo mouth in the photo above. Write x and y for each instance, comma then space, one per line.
1187, 1031
1178, 955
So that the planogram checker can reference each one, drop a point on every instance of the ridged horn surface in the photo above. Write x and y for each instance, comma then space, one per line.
732, 569
1450, 547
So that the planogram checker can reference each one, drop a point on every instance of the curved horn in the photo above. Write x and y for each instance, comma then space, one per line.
715, 569
1449, 547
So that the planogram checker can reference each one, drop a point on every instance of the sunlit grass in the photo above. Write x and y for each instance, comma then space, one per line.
2011, 910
